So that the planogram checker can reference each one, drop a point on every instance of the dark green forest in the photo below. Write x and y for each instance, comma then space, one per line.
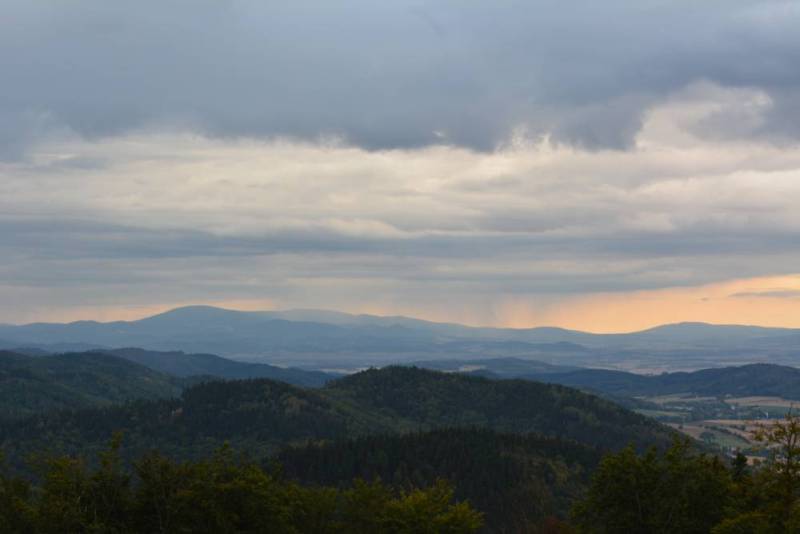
310, 490
31, 385
45, 382
399, 449
516, 480
681, 491
220, 494
262, 416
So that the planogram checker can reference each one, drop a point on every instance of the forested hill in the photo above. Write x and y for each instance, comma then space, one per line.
756, 379
31, 385
433, 399
514, 479
35, 384
261, 415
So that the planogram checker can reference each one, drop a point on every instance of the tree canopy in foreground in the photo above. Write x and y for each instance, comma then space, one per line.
221, 494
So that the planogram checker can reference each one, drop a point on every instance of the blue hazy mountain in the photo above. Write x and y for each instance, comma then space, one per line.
759, 379
317, 338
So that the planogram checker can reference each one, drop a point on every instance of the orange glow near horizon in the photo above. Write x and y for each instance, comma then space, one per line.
767, 301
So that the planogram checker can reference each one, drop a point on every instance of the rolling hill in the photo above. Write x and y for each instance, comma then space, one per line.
31, 385
261, 415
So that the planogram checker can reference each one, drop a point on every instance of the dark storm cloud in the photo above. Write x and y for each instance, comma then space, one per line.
384, 74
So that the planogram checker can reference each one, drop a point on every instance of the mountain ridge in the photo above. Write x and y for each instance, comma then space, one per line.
321, 339
298, 314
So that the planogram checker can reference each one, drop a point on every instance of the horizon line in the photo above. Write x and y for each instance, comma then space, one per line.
396, 316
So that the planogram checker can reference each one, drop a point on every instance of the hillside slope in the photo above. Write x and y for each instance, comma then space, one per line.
30, 385
431, 399
261, 415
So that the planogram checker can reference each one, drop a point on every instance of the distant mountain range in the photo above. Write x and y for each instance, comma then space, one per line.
322, 339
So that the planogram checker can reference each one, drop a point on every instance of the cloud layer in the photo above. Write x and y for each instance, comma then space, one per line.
385, 75
158, 218
508, 163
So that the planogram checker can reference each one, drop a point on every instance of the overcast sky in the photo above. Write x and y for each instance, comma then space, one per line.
597, 165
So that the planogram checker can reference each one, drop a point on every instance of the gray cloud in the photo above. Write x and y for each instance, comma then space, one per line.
91, 256
444, 156
386, 74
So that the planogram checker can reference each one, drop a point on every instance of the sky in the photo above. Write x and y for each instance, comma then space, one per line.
603, 166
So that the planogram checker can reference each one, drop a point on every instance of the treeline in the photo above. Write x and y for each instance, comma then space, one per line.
679, 491
221, 494
517, 481
520, 484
